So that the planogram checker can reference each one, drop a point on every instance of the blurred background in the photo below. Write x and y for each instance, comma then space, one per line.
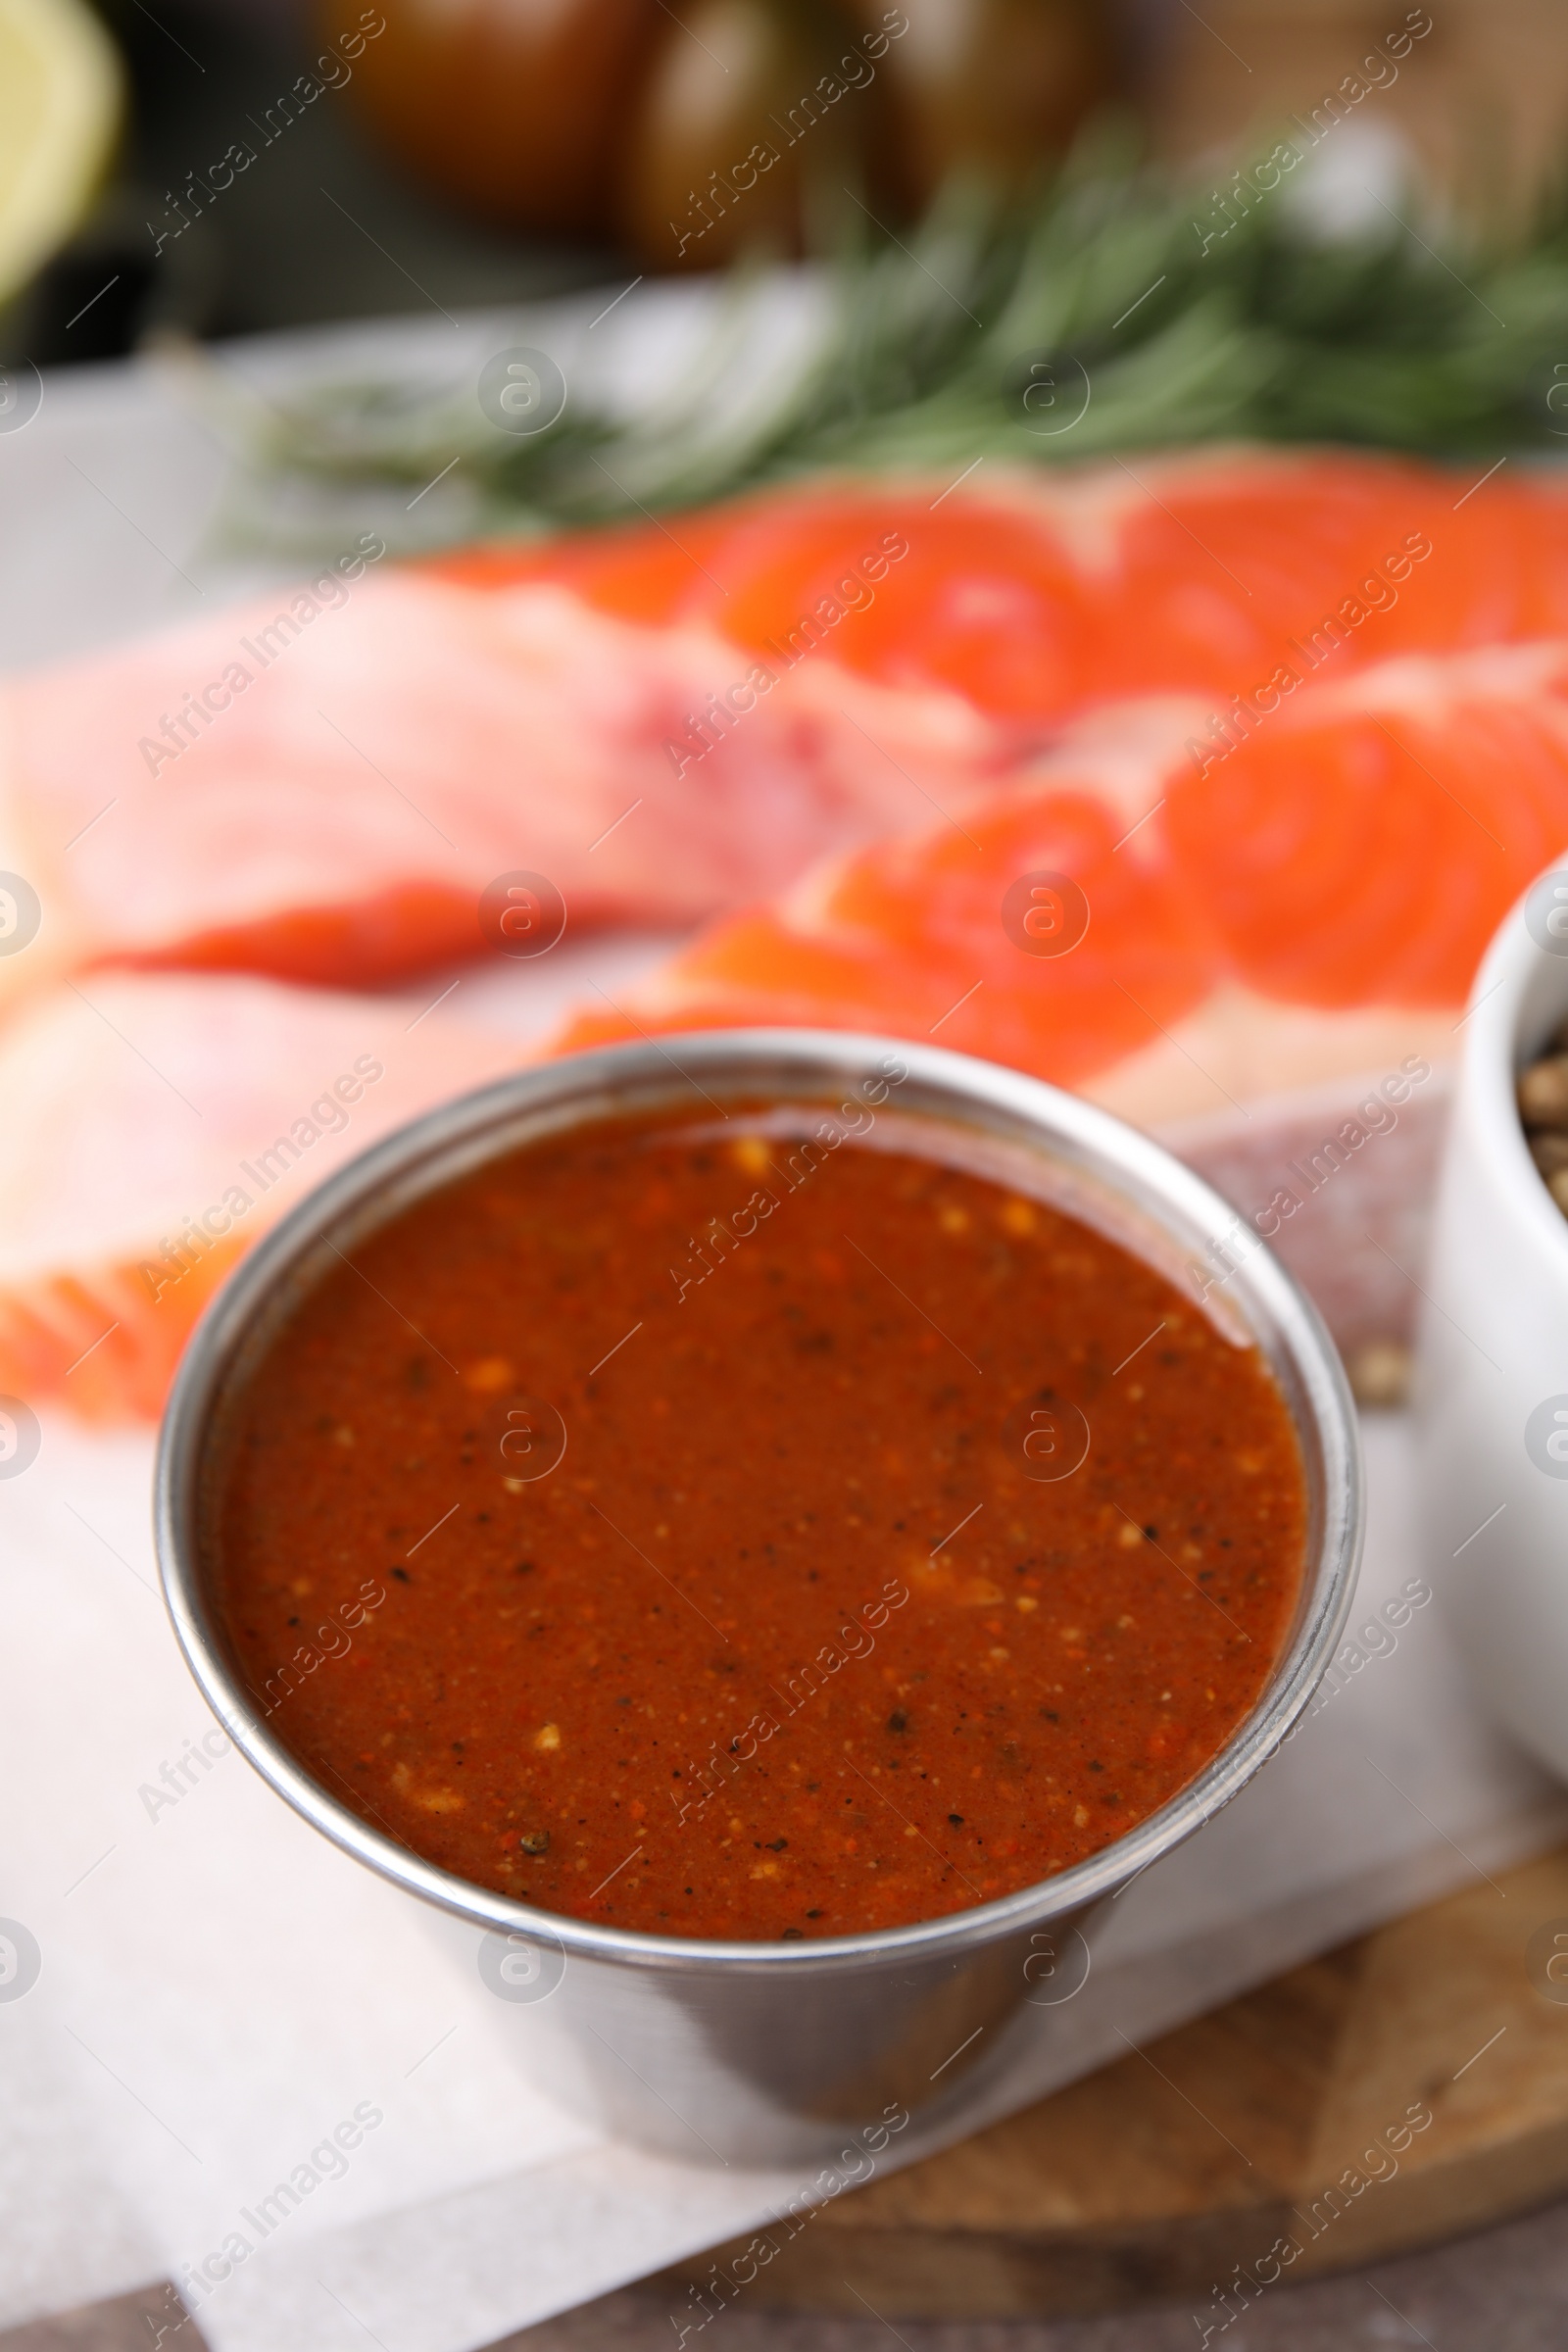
461, 152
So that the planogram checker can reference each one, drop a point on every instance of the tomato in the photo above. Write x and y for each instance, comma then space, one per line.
694, 133
517, 108
753, 116
994, 88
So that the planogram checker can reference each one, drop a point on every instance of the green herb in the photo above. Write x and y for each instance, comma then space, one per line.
1116, 312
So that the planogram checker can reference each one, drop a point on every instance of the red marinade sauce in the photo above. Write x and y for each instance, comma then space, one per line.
824, 1620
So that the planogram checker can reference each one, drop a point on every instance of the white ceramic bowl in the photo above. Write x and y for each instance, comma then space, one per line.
1493, 1386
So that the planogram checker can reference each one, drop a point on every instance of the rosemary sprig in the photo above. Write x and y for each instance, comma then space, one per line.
1116, 311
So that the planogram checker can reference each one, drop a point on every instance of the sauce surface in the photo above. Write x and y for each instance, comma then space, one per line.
700, 1529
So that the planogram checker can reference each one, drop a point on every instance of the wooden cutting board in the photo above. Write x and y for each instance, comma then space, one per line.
1155, 2176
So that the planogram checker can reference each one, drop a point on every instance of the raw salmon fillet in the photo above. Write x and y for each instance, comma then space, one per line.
1363, 844
908, 935
1035, 593
1288, 731
1313, 903
671, 720
1225, 564
373, 772
157, 1125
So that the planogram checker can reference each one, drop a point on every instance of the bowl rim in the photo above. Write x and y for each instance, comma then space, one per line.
1140, 1170
1490, 1065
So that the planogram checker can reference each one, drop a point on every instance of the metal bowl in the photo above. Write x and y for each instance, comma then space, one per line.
769, 2052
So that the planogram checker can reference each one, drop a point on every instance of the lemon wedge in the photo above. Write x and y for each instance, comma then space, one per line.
61, 96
